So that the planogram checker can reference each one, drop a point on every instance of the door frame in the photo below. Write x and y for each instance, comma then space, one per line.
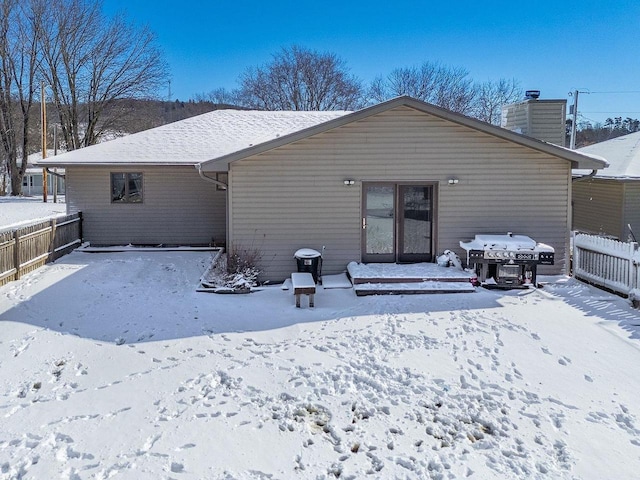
398, 226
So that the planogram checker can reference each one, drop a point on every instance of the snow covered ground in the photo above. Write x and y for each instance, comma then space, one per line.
113, 366
16, 211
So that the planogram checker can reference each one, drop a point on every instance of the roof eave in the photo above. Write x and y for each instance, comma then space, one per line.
54, 164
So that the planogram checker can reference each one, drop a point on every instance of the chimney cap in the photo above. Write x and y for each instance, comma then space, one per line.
532, 94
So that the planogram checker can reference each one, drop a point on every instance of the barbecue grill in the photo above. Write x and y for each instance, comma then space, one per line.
506, 261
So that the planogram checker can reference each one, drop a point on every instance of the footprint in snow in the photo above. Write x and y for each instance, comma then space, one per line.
185, 446
564, 361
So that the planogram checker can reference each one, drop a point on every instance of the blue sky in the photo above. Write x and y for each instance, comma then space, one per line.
553, 46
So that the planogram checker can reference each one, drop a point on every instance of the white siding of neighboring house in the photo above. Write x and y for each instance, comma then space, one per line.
179, 207
598, 207
294, 196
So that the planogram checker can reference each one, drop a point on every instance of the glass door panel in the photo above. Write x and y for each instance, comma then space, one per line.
415, 223
379, 223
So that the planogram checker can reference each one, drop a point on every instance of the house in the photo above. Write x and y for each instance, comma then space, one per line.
34, 178
608, 202
396, 182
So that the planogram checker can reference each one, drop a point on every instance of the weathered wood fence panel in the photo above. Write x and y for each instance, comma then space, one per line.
27, 248
607, 263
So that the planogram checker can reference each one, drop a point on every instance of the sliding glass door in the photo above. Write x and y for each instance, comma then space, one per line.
397, 222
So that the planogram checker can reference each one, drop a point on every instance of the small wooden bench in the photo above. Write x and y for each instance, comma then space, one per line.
303, 284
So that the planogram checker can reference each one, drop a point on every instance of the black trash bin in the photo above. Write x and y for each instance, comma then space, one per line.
309, 260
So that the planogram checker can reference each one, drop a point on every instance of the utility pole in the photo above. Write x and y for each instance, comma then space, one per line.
574, 124
43, 126
55, 170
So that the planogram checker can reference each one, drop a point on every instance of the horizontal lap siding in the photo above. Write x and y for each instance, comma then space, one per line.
179, 207
598, 207
543, 120
547, 122
631, 209
294, 196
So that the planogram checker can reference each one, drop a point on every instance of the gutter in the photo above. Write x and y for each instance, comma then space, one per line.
209, 179
585, 177
55, 174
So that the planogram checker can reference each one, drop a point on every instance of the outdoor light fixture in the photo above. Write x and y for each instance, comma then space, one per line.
453, 181
349, 182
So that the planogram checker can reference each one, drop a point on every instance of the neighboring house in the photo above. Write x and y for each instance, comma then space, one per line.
397, 182
33, 178
609, 201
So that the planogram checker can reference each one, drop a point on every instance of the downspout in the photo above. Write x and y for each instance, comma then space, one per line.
209, 179
224, 186
575, 180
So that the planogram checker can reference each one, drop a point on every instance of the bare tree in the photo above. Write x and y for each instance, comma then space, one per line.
220, 96
90, 62
301, 79
19, 45
492, 95
446, 87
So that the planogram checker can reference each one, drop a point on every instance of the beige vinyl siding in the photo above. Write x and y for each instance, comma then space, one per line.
541, 119
598, 207
516, 117
179, 207
548, 121
631, 209
294, 196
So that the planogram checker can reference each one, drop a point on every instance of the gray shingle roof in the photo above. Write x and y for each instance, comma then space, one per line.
194, 140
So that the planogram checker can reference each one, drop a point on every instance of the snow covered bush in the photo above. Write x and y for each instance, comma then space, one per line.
242, 268
236, 271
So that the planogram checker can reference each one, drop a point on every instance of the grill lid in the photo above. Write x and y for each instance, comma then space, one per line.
510, 242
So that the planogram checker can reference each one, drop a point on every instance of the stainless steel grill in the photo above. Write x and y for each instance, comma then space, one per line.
506, 260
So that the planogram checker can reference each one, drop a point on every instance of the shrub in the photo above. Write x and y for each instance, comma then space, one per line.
242, 269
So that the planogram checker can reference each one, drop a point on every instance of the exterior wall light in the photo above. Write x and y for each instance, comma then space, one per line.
453, 181
348, 182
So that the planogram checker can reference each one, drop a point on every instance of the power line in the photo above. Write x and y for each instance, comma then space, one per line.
620, 91
611, 111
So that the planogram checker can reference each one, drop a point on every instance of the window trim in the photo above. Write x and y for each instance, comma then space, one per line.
127, 196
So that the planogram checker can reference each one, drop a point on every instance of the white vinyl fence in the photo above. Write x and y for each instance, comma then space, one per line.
607, 263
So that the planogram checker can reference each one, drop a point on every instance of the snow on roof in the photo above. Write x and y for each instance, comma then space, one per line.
196, 139
34, 158
622, 153
214, 139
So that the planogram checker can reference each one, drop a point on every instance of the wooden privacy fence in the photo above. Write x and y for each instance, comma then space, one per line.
24, 249
607, 263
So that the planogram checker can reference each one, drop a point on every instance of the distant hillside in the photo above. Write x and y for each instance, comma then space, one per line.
131, 115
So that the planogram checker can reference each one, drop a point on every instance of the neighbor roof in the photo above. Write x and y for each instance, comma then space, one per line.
194, 140
623, 155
